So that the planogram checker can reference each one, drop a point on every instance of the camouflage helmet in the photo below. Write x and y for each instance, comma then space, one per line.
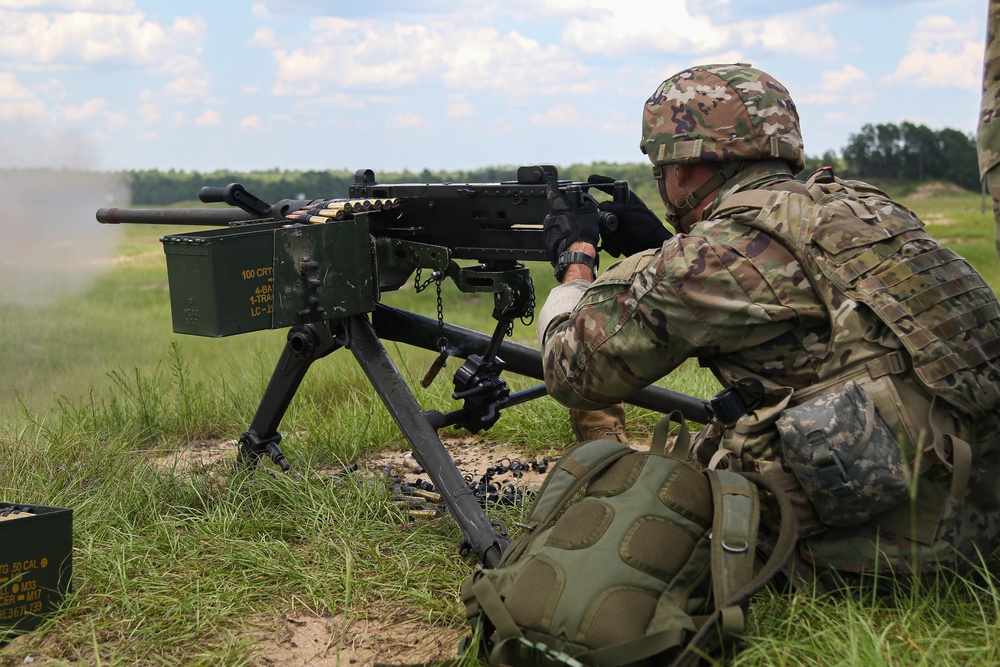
716, 113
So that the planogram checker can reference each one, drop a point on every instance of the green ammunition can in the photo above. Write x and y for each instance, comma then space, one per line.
269, 276
36, 563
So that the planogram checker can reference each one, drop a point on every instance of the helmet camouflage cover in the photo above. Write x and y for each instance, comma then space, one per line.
715, 113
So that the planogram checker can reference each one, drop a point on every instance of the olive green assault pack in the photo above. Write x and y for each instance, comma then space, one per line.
626, 558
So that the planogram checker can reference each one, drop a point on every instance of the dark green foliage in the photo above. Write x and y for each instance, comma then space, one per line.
909, 152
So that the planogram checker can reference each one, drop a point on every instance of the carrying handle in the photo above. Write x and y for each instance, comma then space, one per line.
682, 445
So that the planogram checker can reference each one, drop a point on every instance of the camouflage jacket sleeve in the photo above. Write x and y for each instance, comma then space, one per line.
988, 134
725, 289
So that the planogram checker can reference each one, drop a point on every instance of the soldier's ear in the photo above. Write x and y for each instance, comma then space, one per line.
684, 172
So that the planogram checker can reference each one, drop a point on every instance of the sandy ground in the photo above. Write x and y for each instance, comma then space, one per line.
326, 642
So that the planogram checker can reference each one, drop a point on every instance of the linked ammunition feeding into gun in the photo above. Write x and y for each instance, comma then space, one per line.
320, 266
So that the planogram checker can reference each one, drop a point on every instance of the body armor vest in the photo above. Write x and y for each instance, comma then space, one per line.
918, 329
870, 261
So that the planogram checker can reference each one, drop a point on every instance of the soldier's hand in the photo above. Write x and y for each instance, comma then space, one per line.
574, 217
638, 227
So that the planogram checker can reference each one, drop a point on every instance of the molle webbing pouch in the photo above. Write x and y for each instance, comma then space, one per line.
845, 456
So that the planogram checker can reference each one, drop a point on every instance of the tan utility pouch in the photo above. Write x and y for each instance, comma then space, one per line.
845, 456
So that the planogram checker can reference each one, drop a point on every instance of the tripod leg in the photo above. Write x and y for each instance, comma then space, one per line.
305, 344
428, 449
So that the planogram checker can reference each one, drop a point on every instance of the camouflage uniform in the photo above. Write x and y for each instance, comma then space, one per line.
988, 137
746, 293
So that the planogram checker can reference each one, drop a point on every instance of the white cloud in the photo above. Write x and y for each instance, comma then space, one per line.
670, 26
460, 107
118, 120
208, 118
614, 26
150, 113
847, 76
409, 120
336, 101
70, 5
618, 123
788, 36
368, 55
942, 52
26, 110
251, 123
11, 89
260, 11
562, 115
847, 85
92, 107
18, 101
32, 35
264, 38
187, 89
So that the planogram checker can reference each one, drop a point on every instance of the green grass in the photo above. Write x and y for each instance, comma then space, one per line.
179, 565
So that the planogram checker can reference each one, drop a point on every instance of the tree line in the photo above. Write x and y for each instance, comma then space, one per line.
880, 152
909, 152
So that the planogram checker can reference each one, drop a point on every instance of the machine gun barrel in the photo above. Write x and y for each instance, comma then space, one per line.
212, 217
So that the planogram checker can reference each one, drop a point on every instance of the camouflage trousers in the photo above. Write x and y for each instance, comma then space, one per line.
993, 181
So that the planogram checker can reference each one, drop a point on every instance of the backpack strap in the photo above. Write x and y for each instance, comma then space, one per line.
783, 548
736, 518
682, 444
573, 469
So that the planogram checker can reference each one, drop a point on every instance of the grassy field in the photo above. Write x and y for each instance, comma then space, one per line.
177, 562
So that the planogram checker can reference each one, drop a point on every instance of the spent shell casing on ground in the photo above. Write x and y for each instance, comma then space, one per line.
429, 496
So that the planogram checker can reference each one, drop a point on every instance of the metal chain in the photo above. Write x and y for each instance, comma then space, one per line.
417, 285
442, 340
437, 277
529, 314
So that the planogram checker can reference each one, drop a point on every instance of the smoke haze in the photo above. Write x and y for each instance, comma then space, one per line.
51, 246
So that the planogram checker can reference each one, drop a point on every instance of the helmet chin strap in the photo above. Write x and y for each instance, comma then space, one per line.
708, 187
677, 211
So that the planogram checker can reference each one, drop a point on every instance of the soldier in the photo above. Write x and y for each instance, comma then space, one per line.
988, 137
872, 352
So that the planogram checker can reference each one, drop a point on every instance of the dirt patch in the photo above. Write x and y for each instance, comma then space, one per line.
325, 642
206, 455
937, 189
474, 458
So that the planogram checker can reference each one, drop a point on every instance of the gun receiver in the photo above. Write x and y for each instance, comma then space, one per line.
319, 267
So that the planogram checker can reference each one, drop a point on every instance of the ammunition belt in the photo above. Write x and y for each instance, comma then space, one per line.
340, 209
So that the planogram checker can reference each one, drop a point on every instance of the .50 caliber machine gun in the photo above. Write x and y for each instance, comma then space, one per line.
319, 267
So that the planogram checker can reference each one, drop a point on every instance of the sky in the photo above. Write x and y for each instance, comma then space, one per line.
393, 85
